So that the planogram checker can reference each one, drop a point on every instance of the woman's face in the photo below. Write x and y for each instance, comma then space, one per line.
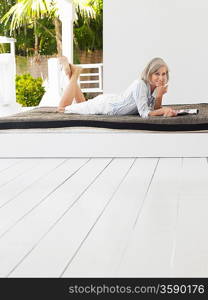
159, 77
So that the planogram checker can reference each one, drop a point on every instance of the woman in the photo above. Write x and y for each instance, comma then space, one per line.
143, 97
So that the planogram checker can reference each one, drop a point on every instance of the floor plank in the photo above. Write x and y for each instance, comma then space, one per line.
40, 184
8, 163
20, 240
70, 233
149, 249
101, 253
33, 170
191, 247
15, 171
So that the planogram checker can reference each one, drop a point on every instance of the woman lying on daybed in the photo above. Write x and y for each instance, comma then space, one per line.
142, 96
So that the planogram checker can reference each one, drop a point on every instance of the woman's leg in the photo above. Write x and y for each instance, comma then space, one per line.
72, 90
63, 61
79, 97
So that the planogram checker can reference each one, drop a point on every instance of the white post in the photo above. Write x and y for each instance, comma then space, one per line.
56, 80
66, 14
8, 104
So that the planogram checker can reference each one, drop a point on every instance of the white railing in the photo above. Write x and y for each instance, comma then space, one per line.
93, 78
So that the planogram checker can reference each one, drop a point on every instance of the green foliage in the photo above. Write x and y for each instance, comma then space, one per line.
4, 8
4, 48
31, 23
29, 90
46, 38
5, 28
88, 27
46, 34
24, 41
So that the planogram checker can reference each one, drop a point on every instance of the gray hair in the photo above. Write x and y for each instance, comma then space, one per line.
153, 66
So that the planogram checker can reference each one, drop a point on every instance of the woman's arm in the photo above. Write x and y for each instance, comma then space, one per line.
140, 92
140, 95
158, 102
157, 112
164, 111
161, 90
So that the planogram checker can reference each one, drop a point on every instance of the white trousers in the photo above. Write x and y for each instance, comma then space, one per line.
100, 105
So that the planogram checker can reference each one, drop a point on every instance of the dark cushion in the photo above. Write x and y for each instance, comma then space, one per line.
47, 117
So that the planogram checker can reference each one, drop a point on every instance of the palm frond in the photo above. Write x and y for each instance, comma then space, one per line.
26, 10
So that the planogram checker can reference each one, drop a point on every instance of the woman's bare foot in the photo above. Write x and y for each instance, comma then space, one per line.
63, 61
75, 69
79, 69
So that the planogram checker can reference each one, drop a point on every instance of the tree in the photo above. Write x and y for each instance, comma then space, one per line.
30, 12
4, 7
33, 15
88, 25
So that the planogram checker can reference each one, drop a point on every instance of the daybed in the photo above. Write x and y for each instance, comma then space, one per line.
42, 132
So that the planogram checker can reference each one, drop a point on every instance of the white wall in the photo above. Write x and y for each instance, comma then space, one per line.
176, 30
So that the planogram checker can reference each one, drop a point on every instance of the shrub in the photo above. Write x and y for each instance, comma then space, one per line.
29, 90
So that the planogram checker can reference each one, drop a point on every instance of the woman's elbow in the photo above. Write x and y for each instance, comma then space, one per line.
145, 115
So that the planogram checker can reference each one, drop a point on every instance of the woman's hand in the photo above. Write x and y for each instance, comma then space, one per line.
163, 111
161, 90
169, 112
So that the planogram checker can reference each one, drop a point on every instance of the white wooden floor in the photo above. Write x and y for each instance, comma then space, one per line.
104, 217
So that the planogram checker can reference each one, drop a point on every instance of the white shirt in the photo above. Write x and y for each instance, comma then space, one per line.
137, 98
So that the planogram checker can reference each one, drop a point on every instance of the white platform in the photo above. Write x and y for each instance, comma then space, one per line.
94, 142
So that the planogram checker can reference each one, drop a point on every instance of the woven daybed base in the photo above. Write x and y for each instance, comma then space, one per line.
47, 117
